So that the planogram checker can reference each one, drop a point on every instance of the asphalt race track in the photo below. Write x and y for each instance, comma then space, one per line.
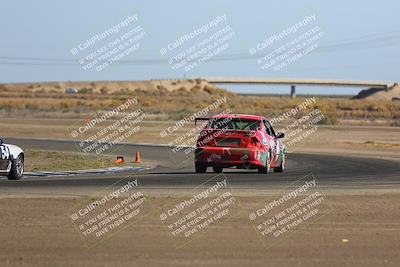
331, 171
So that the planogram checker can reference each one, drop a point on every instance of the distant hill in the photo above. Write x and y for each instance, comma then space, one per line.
380, 94
113, 87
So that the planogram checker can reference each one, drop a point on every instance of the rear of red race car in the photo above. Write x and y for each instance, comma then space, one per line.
241, 141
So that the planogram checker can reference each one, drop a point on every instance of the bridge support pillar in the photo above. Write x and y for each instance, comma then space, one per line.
292, 91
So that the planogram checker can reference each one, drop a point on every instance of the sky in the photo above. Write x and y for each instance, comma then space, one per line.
360, 40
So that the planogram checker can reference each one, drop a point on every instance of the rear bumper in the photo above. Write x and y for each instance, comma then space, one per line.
229, 157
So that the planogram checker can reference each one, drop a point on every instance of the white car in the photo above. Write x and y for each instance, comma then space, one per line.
11, 161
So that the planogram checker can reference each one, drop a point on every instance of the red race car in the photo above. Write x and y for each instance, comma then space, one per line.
241, 141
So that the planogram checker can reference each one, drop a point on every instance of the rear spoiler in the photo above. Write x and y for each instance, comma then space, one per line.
200, 119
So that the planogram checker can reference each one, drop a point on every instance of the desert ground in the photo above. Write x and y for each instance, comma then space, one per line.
354, 155
361, 230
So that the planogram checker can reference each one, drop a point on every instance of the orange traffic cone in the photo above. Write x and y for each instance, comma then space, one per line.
86, 119
119, 160
137, 160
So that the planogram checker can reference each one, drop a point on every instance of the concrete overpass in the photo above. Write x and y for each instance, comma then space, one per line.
311, 82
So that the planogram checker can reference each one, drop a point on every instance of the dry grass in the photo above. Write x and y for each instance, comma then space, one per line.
38, 160
173, 100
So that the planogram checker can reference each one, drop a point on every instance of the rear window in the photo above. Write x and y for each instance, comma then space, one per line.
234, 124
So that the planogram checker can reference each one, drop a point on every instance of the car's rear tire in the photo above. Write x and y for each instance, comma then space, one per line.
281, 168
267, 165
17, 168
200, 167
265, 169
217, 169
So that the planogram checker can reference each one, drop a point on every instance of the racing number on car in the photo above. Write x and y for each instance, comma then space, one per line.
4, 152
264, 139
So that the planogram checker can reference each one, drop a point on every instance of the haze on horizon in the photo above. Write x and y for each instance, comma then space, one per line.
360, 40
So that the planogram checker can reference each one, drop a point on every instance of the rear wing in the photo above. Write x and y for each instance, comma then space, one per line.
200, 119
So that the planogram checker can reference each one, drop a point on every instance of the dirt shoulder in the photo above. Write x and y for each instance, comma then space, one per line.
39, 160
359, 231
